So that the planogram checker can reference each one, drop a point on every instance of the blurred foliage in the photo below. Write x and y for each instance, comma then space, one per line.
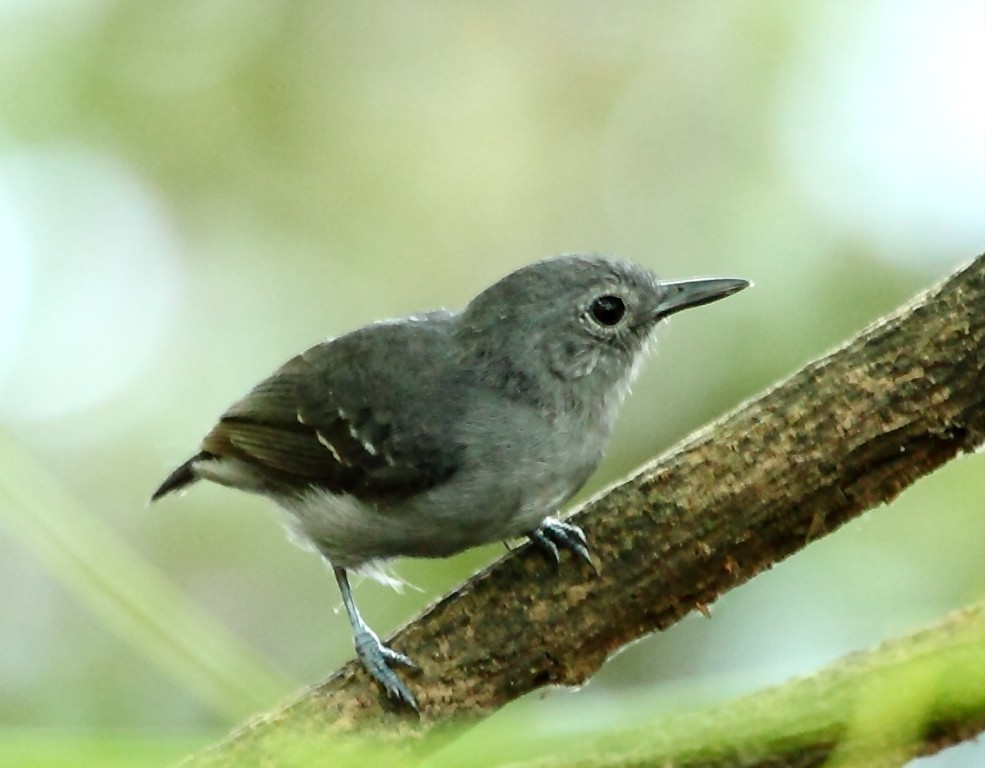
193, 190
51, 748
129, 594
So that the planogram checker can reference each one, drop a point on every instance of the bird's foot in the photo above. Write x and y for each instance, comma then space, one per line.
554, 533
377, 659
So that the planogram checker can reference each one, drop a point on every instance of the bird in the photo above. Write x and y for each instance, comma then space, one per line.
430, 434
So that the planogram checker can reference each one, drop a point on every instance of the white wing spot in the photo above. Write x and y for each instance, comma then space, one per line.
354, 432
331, 448
300, 417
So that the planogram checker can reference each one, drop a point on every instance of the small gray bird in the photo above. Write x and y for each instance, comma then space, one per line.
434, 433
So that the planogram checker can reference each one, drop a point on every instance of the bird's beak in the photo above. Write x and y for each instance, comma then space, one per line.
683, 294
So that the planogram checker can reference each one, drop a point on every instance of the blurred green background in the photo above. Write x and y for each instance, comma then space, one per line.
192, 191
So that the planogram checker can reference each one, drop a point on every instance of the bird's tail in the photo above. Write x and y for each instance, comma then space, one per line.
183, 476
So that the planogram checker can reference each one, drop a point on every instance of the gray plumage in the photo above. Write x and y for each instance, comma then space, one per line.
435, 433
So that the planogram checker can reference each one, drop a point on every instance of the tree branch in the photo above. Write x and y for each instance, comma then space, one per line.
847, 432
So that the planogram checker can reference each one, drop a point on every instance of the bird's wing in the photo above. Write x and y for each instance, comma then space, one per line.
329, 419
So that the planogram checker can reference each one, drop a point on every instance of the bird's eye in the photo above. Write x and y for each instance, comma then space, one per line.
607, 310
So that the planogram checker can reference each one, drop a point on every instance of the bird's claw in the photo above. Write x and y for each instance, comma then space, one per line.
376, 658
554, 533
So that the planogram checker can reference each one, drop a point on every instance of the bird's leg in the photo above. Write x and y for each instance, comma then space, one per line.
553, 534
375, 656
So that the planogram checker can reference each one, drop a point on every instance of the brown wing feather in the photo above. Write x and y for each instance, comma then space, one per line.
293, 452
298, 441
